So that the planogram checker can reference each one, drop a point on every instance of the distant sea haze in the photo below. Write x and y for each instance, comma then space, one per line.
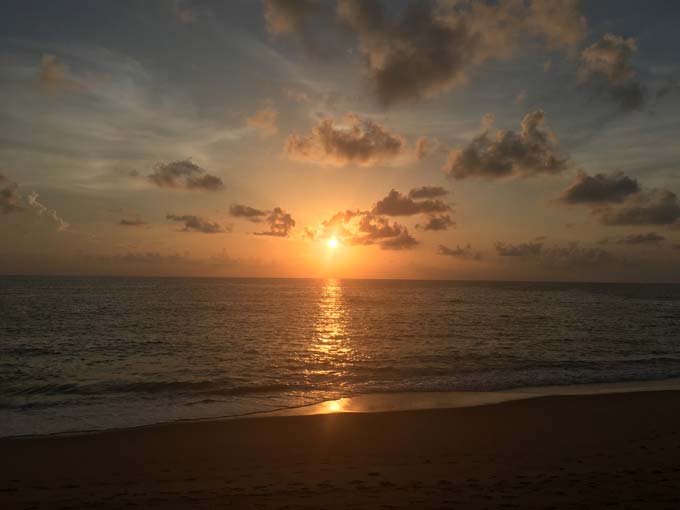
93, 353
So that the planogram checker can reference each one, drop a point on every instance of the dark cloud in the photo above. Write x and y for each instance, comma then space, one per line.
650, 238
403, 241
356, 227
530, 249
184, 175
669, 87
10, 198
459, 252
656, 207
600, 189
137, 222
356, 140
568, 256
280, 223
532, 151
427, 192
12, 201
396, 204
577, 257
437, 222
629, 96
245, 211
148, 257
198, 224
429, 48
619, 200
609, 59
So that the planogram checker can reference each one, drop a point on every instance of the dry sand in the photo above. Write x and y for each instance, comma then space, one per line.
593, 451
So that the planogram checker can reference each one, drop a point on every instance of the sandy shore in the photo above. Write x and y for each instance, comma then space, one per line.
586, 451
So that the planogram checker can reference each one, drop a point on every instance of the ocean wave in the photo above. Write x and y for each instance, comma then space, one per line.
211, 387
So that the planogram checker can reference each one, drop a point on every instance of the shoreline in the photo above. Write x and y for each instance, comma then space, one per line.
616, 450
401, 402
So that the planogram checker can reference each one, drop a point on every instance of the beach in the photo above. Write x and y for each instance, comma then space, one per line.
617, 450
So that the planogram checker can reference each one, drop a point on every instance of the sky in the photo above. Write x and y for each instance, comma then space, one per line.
451, 139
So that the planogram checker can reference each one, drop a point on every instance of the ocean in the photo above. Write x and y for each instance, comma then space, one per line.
97, 353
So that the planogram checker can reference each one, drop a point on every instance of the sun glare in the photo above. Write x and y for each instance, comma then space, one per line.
332, 242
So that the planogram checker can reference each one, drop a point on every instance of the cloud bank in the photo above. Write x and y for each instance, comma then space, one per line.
184, 175
280, 223
616, 199
459, 252
533, 151
198, 224
12, 201
352, 141
432, 47
609, 60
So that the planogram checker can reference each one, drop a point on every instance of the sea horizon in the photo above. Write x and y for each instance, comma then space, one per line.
405, 279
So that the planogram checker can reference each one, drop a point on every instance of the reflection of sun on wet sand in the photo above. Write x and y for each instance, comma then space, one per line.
582, 451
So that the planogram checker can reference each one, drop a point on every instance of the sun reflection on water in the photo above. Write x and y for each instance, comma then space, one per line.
330, 349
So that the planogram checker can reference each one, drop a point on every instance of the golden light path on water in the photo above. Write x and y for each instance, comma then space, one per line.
330, 351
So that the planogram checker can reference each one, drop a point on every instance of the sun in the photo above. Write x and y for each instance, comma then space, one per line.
332, 242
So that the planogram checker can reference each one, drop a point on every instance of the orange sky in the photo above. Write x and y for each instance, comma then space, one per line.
498, 140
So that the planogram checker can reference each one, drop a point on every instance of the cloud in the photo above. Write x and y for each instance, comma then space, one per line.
578, 257
427, 192
183, 11
42, 210
432, 47
280, 223
307, 21
609, 59
245, 211
12, 201
184, 175
650, 238
656, 207
264, 120
569, 256
354, 141
364, 228
423, 147
10, 198
198, 224
437, 222
396, 204
600, 189
289, 16
532, 151
403, 241
619, 200
629, 96
137, 222
148, 257
530, 249
53, 74
459, 252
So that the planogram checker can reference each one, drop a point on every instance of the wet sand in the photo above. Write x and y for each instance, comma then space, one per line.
583, 451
